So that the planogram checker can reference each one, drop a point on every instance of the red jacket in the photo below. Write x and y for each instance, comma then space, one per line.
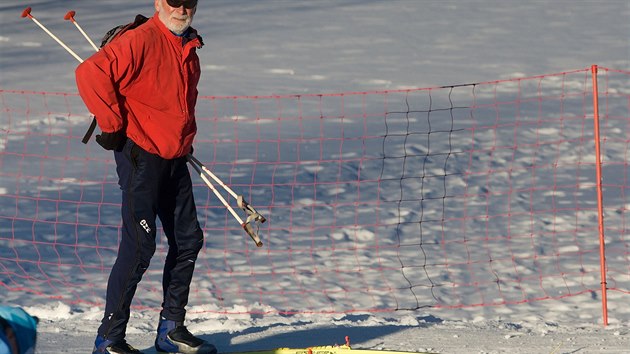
145, 81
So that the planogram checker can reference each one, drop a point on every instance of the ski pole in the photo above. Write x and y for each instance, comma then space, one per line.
70, 17
214, 177
27, 13
251, 212
240, 201
93, 124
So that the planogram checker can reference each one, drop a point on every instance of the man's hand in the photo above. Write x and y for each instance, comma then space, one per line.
112, 141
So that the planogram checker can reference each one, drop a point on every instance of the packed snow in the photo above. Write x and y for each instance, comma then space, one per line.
304, 47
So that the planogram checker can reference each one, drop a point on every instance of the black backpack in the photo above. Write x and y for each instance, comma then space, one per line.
111, 35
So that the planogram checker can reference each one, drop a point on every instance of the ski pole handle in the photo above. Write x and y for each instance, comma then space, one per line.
250, 231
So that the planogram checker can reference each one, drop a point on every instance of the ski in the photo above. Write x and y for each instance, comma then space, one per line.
325, 350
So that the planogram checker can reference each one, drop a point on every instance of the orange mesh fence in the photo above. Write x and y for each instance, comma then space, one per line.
469, 195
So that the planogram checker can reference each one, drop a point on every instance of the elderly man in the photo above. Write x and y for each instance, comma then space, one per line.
142, 88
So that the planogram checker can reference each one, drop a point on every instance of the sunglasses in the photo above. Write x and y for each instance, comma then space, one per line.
189, 4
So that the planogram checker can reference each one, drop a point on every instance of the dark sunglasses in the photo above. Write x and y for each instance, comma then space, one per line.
189, 4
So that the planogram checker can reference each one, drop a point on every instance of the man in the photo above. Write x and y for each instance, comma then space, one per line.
142, 88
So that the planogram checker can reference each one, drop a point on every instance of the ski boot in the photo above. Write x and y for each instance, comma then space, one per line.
174, 337
106, 346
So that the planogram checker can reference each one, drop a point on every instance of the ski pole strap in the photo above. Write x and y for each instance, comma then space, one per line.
89, 132
252, 214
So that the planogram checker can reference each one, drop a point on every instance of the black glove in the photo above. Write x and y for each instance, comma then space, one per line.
112, 141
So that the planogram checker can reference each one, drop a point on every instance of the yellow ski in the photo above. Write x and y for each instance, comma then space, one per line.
329, 349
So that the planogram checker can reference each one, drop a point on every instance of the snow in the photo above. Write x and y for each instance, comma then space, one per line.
301, 46
414, 332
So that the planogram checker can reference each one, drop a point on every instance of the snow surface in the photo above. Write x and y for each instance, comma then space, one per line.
301, 46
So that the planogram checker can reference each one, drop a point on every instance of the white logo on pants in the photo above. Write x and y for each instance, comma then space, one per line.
145, 225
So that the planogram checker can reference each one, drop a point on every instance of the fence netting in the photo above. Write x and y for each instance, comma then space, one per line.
469, 195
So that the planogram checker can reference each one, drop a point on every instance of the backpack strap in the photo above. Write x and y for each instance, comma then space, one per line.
120, 29
89, 132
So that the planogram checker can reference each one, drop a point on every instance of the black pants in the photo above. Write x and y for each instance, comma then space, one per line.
152, 186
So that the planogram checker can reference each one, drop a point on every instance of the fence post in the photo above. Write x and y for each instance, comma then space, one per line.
600, 207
